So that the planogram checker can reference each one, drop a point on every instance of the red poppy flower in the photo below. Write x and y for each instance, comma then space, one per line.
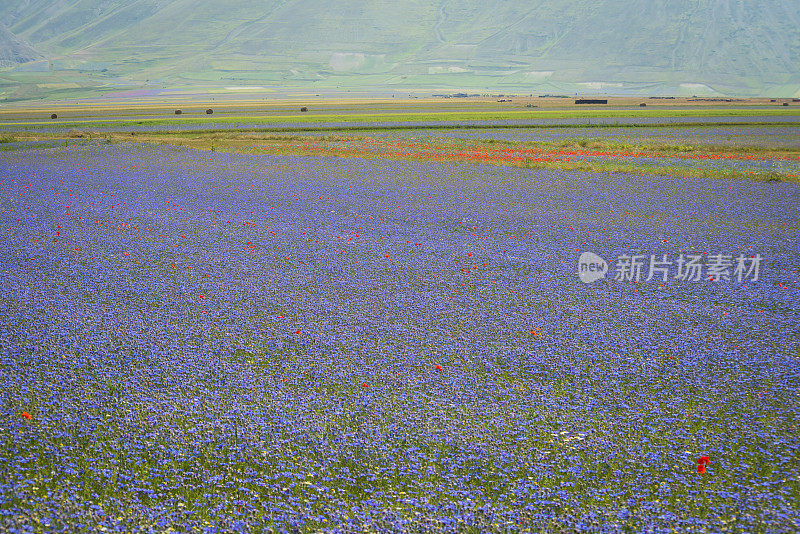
438, 367
701, 468
704, 460
26, 415
365, 385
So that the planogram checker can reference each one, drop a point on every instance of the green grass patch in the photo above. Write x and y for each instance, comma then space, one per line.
426, 116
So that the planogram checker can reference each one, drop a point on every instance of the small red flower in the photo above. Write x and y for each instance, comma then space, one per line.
365, 385
705, 460
298, 331
26, 415
701, 468
438, 367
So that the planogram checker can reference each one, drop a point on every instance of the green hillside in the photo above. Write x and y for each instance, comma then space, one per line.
13, 51
744, 47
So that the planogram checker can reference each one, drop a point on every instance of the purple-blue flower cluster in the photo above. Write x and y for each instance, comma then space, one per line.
216, 342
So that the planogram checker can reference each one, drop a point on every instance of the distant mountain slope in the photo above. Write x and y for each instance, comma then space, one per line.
13, 51
745, 46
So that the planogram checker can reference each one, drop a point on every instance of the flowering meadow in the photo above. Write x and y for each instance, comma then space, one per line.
217, 342
757, 135
403, 120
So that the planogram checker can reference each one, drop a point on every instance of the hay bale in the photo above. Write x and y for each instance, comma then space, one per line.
53, 116
209, 111
304, 109
178, 112
642, 105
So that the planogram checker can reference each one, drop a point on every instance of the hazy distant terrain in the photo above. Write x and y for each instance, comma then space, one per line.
746, 47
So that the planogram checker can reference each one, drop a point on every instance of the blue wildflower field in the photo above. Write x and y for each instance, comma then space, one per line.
200, 341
